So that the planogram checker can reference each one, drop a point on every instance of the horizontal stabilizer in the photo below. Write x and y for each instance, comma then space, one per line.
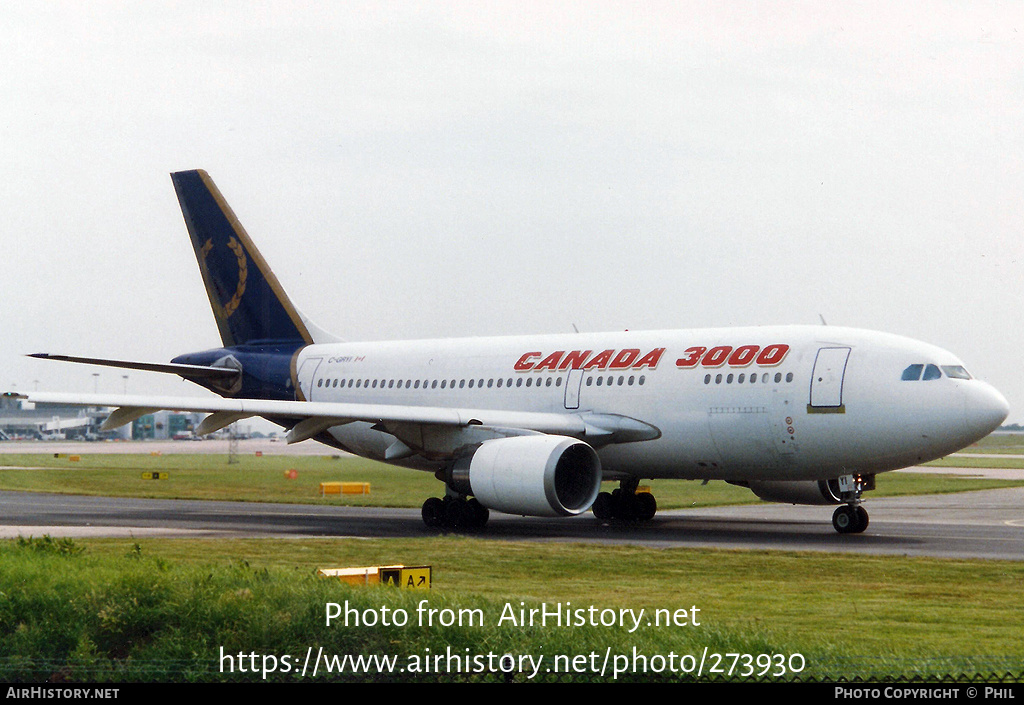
189, 371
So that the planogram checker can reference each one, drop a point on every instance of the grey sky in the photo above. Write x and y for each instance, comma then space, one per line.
450, 169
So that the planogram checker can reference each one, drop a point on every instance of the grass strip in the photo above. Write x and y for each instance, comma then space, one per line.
269, 479
163, 610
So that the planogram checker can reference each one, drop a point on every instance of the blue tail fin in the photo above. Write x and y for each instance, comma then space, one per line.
247, 300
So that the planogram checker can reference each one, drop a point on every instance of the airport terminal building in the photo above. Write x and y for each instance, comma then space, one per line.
20, 420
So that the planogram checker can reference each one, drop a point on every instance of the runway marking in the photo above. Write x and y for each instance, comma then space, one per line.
11, 532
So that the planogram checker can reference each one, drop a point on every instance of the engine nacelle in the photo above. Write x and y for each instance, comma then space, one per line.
797, 492
544, 476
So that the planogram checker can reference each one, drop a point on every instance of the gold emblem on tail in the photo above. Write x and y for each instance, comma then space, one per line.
243, 272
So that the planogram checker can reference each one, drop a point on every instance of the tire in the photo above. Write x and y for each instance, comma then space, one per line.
478, 513
646, 506
457, 514
862, 519
844, 520
433, 513
602, 507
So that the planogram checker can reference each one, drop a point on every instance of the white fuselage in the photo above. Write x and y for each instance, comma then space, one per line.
765, 403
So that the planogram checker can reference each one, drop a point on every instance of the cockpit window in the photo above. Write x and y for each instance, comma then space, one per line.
912, 373
956, 372
924, 372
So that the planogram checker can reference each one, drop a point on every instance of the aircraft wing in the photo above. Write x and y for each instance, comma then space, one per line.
314, 417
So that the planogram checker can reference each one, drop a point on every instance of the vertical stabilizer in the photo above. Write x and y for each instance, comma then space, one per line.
247, 300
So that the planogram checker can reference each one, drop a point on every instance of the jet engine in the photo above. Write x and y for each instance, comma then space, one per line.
532, 475
797, 492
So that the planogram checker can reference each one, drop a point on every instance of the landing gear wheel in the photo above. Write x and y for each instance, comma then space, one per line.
454, 514
623, 505
433, 513
842, 520
850, 519
646, 506
602, 507
478, 513
862, 518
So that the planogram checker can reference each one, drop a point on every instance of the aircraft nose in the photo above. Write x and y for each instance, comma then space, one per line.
985, 409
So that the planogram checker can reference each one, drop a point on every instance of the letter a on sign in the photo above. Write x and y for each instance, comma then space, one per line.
417, 577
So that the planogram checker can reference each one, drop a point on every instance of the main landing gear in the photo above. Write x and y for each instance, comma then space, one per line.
455, 513
852, 518
625, 503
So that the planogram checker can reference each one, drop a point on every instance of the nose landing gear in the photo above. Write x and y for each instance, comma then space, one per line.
852, 518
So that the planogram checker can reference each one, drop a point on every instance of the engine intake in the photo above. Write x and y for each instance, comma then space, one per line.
545, 476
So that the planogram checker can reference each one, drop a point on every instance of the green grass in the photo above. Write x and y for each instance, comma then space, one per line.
205, 476
161, 609
262, 479
895, 484
966, 461
1012, 443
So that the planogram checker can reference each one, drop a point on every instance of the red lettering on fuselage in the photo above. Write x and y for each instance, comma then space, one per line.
650, 360
773, 354
560, 360
550, 362
600, 361
575, 359
524, 364
743, 356
624, 359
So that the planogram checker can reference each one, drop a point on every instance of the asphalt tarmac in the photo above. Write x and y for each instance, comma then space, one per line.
986, 524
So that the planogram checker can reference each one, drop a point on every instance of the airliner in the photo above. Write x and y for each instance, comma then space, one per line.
534, 425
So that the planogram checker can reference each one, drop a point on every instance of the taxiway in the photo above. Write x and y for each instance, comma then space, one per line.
985, 524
